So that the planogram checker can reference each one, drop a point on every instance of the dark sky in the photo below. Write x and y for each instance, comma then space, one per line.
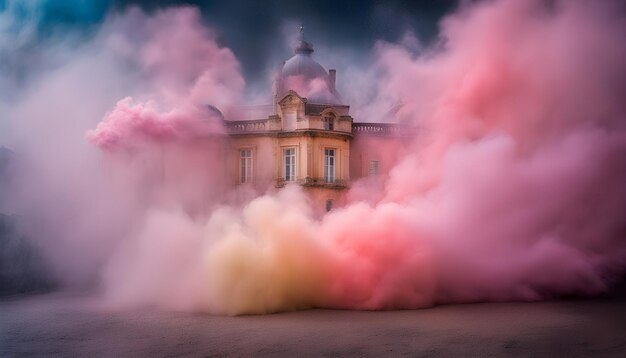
253, 29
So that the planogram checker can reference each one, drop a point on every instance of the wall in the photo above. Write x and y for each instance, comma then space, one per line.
384, 149
262, 158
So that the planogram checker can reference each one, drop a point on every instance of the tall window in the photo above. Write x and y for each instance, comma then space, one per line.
289, 160
245, 166
329, 165
373, 170
329, 122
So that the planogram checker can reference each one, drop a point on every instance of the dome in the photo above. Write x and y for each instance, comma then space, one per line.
302, 74
303, 65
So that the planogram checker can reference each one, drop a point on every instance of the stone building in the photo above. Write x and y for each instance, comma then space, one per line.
307, 136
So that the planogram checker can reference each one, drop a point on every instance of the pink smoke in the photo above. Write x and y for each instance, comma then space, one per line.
80, 204
514, 190
186, 70
315, 89
519, 175
127, 124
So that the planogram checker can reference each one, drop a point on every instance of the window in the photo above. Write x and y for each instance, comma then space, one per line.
329, 205
245, 166
289, 160
329, 165
329, 122
373, 170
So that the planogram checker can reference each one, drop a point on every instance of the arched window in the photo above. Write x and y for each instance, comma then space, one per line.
329, 122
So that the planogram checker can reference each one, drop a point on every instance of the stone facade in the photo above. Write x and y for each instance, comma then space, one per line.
309, 141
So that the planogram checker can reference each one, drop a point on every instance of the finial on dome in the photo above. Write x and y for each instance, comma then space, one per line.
303, 47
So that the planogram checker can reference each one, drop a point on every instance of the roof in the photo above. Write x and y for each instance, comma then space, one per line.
317, 108
303, 65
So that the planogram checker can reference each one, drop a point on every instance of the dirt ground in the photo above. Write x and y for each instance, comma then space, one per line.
63, 325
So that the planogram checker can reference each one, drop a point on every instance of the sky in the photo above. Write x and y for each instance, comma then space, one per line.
254, 30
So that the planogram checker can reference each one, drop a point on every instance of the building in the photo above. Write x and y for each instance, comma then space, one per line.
307, 136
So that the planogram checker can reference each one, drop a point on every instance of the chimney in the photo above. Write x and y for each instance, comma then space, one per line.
332, 77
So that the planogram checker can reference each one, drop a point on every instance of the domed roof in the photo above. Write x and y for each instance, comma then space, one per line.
300, 71
303, 65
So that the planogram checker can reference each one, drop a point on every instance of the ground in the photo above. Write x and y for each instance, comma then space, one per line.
64, 325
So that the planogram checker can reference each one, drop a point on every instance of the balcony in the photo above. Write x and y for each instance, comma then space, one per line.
313, 182
252, 126
383, 129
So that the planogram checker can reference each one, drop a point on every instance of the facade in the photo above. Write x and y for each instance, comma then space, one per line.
307, 136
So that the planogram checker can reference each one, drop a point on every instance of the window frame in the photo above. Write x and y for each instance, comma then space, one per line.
328, 121
243, 178
292, 175
376, 168
328, 167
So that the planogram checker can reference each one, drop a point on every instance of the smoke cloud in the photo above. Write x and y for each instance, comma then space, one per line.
513, 189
